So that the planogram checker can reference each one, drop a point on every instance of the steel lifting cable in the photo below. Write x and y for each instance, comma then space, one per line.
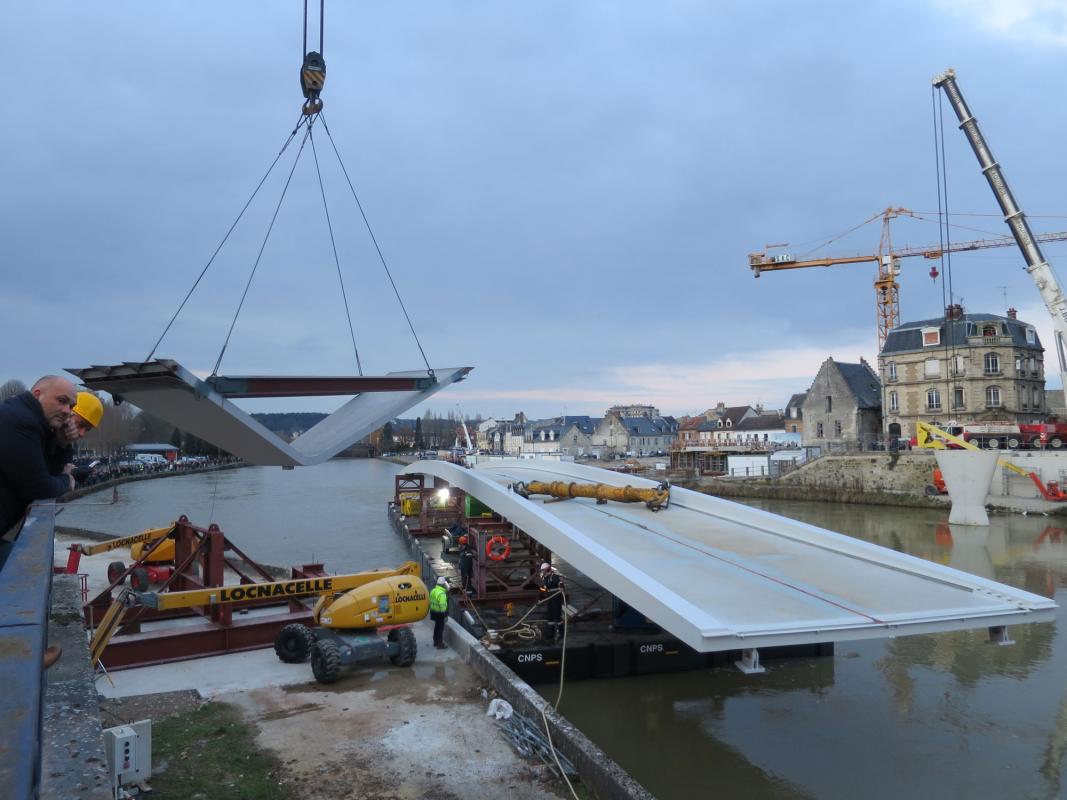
374, 239
333, 244
262, 247
945, 243
211, 260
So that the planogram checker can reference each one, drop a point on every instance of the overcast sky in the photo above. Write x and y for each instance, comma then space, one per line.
565, 192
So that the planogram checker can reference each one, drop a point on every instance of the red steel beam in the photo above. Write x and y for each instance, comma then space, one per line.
314, 386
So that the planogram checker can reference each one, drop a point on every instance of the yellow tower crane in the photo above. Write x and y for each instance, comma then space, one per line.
886, 288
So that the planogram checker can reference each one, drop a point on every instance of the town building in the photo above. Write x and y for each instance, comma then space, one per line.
794, 413
843, 407
962, 368
547, 435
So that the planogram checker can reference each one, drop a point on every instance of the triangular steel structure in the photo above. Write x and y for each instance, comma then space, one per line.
201, 407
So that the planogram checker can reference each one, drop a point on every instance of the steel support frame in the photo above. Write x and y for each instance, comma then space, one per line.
200, 563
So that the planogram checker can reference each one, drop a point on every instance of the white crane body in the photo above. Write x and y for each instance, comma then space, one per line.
1040, 271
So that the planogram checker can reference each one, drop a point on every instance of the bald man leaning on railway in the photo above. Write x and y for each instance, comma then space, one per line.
30, 448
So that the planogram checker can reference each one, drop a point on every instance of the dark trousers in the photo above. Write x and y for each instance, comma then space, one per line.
438, 618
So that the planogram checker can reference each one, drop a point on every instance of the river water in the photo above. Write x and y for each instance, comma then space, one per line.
941, 716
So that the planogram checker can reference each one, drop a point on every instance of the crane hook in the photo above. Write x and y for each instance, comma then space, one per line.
312, 80
933, 272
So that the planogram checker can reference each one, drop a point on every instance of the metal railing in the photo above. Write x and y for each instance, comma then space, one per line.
25, 589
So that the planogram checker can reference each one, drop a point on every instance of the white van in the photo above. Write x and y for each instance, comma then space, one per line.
150, 458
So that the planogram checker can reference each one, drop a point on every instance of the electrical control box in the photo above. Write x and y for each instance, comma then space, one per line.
129, 753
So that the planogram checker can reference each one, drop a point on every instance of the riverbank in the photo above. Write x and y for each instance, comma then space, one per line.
84, 491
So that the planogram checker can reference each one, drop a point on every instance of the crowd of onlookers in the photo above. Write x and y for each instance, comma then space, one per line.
89, 471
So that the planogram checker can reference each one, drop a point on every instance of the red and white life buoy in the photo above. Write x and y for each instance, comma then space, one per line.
498, 548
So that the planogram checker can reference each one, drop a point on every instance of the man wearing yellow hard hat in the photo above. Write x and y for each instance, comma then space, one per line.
88, 412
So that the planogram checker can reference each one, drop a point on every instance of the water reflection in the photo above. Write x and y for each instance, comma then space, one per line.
948, 715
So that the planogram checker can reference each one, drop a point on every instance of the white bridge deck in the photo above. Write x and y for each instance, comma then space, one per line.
721, 576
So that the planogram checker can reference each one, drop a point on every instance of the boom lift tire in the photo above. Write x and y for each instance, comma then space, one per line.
114, 570
1055, 442
409, 648
326, 661
293, 643
1013, 442
139, 580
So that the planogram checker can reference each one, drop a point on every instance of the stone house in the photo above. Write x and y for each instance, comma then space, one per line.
962, 368
843, 406
507, 436
794, 413
569, 435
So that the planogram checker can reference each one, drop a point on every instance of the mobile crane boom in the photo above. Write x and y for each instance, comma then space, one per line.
1040, 271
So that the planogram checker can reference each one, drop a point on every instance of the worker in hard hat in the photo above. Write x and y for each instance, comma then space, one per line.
551, 585
85, 416
88, 412
466, 565
439, 611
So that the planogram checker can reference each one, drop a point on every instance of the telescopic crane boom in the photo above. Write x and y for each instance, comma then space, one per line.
1040, 271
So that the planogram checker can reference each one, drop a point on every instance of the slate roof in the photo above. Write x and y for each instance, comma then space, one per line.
764, 422
863, 384
797, 402
907, 338
643, 426
585, 424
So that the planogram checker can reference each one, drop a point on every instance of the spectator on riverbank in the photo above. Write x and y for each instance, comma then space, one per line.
33, 463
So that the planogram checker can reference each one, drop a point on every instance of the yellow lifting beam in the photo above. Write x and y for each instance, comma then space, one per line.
655, 499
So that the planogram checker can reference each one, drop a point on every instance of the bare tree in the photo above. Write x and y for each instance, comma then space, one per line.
11, 388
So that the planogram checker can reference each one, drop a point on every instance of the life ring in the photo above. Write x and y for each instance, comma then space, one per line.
498, 548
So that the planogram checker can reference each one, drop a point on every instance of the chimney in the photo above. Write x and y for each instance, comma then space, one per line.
1013, 314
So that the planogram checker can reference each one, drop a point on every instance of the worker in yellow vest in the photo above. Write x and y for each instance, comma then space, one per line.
439, 611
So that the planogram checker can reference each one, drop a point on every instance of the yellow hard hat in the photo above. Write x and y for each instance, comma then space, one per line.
89, 408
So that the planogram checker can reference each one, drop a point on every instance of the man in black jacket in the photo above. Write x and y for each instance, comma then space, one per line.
33, 465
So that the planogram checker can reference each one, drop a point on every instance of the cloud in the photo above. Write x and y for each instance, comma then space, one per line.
760, 376
1042, 21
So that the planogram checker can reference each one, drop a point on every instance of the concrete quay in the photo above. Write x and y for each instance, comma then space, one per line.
403, 733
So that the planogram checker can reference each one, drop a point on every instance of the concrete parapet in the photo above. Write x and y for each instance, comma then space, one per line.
72, 758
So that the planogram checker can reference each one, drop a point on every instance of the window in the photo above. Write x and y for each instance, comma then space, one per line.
1031, 336
932, 368
959, 365
837, 428
1020, 365
989, 330
1033, 366
992, 397
992, 364
818, 430
891, 370
829, 404
1024, 397
793, 428
972, 329
1037, 399
894, 403
931, 337
957, 397
933, 400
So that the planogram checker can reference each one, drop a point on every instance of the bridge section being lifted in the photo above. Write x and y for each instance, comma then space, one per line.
722, 576
203, 407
